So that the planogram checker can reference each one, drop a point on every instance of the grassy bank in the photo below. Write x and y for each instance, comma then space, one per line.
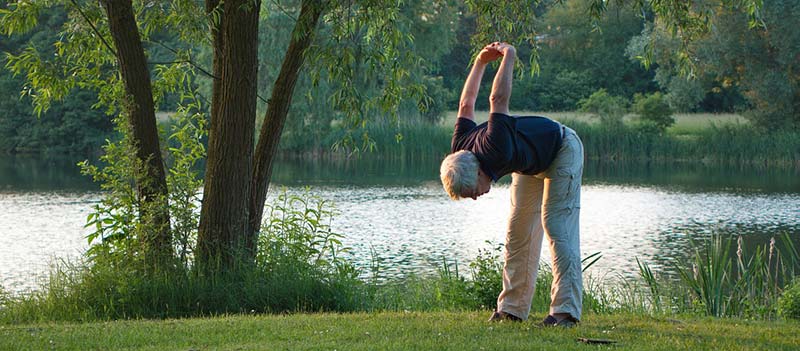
402, 331
710, 138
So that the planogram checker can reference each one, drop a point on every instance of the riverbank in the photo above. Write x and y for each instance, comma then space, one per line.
402, 331
695, 138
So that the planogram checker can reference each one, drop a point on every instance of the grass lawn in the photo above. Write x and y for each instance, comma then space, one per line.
684, 122
402, 331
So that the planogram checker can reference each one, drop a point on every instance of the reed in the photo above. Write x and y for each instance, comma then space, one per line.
724, 144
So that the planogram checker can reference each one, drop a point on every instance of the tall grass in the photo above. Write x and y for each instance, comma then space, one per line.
726, 144
415, 140
717, 282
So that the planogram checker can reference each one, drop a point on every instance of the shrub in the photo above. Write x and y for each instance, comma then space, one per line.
789, 302
654, 111
610, 109
487, 276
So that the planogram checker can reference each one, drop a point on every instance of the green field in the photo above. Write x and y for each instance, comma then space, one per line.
402, 331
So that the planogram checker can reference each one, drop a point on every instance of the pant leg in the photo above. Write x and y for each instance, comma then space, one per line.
523, 246
561, 221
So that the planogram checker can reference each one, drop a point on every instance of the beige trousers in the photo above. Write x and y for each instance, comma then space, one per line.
545, 203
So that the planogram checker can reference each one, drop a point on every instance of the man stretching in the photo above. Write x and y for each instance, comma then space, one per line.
545, 160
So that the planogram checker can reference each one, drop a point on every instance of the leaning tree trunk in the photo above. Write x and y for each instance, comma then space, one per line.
151, 184
224, 214
279, 103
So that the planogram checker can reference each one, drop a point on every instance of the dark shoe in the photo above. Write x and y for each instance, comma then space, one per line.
498, 316
551, 321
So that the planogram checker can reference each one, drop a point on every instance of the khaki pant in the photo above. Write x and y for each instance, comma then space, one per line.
546, 203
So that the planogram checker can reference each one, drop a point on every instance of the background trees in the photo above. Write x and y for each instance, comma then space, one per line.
578, 54
357, 62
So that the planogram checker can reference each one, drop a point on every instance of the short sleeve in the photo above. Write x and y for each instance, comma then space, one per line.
499, 135
463, 127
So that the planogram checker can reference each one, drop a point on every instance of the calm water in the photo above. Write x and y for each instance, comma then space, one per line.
398, 211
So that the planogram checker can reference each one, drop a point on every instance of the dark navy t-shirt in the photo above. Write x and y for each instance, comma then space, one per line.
506, 144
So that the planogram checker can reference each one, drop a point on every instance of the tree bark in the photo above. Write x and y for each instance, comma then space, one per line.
224, 214
151, 185
275, 117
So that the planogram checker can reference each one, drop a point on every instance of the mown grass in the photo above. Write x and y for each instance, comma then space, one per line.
402, 331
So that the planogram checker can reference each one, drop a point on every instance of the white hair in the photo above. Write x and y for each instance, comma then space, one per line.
459, 171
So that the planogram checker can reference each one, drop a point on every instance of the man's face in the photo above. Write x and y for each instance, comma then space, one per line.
484, 184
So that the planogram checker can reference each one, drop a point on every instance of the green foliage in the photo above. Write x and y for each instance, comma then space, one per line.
789, 302
653, 111
509, 21
682, 94
297, 231
610, 109
300, 267
184, 182
734, 53
748, 285
69, 126
487, 276
116, 221
562, 92
433, 107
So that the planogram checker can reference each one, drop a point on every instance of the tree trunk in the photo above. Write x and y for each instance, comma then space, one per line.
151, 185
279, 103
224, 214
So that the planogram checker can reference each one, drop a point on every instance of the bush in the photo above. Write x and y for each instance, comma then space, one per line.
610, 109
487, 276
789, 302
653, 110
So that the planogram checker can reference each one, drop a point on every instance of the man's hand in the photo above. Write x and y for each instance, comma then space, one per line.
505, 49
495, 51
489, 53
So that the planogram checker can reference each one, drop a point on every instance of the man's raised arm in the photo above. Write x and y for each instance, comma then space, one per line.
501, 87
466, 106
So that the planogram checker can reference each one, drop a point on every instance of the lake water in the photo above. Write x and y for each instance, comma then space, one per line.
396, 213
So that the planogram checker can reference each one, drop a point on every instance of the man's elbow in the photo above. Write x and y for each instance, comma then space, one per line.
499, 99
466, 106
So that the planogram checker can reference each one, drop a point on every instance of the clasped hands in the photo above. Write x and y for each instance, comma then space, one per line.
495, 51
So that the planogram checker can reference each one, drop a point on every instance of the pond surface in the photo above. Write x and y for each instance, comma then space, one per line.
394, 212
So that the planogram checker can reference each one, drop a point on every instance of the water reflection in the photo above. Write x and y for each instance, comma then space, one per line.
36, 174
683, 176
28, 173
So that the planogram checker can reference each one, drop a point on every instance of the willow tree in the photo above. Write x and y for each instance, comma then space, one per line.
347, 40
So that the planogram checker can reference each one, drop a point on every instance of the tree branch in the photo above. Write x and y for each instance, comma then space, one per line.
192, 63
89, 22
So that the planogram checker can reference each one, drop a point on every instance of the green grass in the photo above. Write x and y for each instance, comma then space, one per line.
401, 331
